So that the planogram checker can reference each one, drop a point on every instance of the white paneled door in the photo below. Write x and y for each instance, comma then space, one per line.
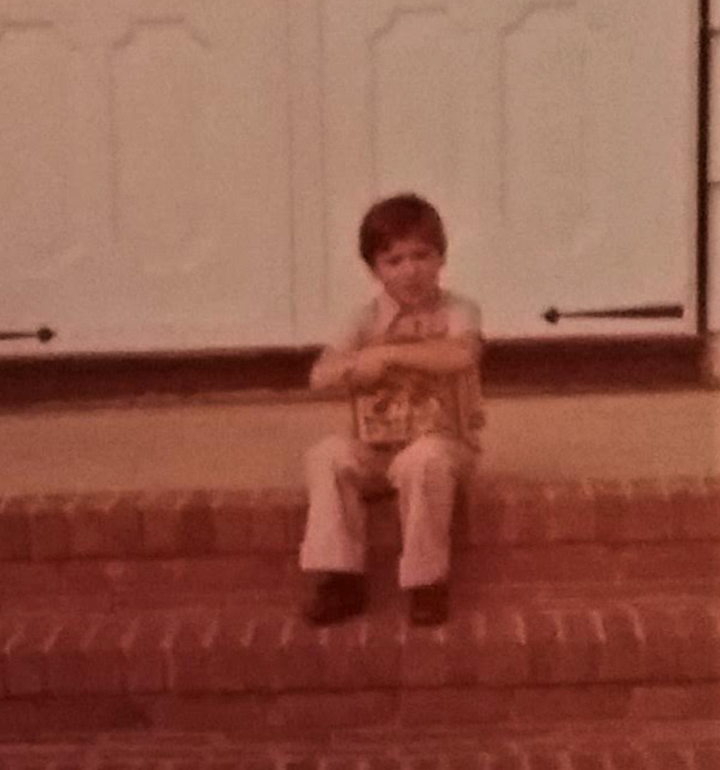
183, 174
558, 136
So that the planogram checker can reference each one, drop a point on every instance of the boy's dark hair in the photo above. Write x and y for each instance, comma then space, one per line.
401, 216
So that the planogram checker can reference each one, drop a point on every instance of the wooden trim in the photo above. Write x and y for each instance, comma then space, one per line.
703, 183
509, 368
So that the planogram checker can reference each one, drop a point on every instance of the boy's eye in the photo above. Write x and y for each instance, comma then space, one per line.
421, 256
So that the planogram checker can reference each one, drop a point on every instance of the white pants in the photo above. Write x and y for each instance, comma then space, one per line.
426, 475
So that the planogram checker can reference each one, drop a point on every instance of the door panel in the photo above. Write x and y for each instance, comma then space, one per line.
147, 195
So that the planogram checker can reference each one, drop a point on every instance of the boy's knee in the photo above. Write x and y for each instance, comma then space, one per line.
333, 451
428, 453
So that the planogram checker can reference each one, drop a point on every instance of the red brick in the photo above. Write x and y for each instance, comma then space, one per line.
34, 717
454, 706
66, 662
687, 701
623, 653
344, 764
306, 763
301, 711
612, 507
662, 643
484, 514
228, 573
700, 640
545, 645
526, 515
630, 759
548, 759
510, 758
424, 656
15, 537
581, 562
584, 643
10, 628
25, 655
145, 656
564, 646
246, 716
301, 656
29, 584
481, 565
384, 763
707, 757
233, 527
345, 656
650, 514
274, 516
141, 584
466, 634
196, 534
245, 653
503, 657
695, 510
567, 703
123, 527
161, 522
189, 651
104, 657
673, 759
270, 530
572, 513
689, 561
472, 760
91, 579
94, 524
51, 533
382, 661
585, 760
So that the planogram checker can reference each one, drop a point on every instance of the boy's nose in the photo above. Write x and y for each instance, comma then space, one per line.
410, 268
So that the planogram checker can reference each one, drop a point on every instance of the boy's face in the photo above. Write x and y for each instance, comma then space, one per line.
410, 271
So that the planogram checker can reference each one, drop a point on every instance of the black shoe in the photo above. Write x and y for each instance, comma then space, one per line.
338, 596
429, 605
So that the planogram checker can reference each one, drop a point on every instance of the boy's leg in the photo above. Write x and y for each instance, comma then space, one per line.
427, 474
339, 470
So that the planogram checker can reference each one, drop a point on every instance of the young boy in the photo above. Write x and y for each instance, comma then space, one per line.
412, 326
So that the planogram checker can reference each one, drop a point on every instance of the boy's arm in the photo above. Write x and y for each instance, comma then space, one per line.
353, 368
439, 356
332, 369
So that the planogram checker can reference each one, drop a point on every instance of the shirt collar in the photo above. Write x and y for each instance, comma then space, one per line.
388, 309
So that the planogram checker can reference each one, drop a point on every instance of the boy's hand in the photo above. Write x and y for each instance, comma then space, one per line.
370, 365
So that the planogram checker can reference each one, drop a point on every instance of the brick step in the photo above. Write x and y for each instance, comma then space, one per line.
505, 512
669, 746
483, 657
478, 574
